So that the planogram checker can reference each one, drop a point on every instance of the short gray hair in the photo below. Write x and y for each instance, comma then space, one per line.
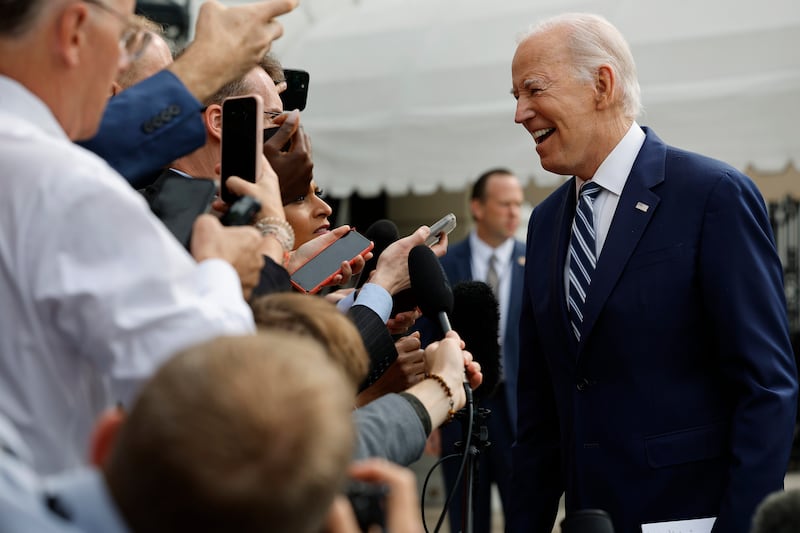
594, 41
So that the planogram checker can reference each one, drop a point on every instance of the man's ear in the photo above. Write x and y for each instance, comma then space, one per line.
476, 208
71, 31
212, 117
104, 436
605, 87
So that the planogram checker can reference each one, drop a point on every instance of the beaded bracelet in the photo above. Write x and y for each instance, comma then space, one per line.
280, 229
440, 380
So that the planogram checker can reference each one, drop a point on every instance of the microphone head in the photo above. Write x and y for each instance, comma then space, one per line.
476, 318
778, 513
429, 283
587, 521
382, 233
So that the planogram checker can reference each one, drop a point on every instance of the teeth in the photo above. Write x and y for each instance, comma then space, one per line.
540, 133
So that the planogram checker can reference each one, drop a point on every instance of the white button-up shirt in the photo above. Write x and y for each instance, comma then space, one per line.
94, 291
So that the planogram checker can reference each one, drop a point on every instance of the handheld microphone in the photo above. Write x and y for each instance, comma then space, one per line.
382, 233
476, 318
430, 286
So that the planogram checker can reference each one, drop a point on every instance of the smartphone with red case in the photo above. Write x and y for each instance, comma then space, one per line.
323, 267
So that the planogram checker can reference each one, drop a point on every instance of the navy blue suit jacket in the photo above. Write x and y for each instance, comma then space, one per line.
148, 126
679, 402
457, 264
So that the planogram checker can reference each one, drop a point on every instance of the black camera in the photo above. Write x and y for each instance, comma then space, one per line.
369, 504
242, 211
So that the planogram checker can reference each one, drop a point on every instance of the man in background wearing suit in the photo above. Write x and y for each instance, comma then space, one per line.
656, 378
491, 254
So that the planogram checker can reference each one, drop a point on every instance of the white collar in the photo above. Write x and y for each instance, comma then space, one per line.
613, 172
19, 101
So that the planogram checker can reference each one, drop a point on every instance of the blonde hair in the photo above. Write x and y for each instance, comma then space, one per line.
319, 319
245, 434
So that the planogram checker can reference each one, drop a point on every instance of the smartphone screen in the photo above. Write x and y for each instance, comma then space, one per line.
296, 94
322, 267
242, 133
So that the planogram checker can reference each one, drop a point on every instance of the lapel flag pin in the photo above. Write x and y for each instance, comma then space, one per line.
642, 207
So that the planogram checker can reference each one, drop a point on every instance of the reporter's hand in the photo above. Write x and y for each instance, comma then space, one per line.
391, 272
402, 506
454, 364
295, 167
401, 322
229, 41
239, 246
407, 370
336, 296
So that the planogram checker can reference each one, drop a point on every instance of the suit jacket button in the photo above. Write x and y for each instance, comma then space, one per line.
582, 385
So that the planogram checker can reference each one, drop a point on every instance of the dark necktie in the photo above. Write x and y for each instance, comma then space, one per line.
491, 275
582, 256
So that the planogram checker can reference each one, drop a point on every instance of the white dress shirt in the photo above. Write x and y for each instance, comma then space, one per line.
95, 291
611, 175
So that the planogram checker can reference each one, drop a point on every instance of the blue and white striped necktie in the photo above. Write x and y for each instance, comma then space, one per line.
582, 255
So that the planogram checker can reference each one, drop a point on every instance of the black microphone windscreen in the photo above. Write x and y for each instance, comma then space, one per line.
476, 318
587, 521
778, 513
429, 283
382, 233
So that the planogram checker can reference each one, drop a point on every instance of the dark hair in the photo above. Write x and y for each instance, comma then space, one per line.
479, 188
17, 15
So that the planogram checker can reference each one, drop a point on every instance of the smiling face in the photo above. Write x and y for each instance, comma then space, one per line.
308, 215
564, 115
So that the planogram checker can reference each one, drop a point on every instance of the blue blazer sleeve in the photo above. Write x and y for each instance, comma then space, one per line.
147, 126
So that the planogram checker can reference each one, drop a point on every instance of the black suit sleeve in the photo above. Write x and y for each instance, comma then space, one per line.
274, 278
377, 340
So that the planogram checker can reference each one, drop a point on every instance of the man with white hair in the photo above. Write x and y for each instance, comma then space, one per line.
656, 377
97, 293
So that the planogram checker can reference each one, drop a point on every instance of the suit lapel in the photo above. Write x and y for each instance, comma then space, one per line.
634, 211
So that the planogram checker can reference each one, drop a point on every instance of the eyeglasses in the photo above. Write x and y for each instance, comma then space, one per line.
133, 40
272, 115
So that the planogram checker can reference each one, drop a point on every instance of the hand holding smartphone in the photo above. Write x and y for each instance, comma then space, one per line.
323, 267
445, 225
242, 134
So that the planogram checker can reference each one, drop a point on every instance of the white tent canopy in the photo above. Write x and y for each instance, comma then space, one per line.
411, 95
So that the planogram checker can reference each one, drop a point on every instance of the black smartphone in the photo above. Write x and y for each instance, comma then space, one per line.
242, 132
296, 94
177, 201
321, 268
242, 212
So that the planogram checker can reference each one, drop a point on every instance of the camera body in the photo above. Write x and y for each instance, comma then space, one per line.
242, 211
369, 504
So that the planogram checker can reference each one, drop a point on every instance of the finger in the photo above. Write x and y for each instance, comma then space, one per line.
238, 186
285, 132
440, 248
219, 205
266, 11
